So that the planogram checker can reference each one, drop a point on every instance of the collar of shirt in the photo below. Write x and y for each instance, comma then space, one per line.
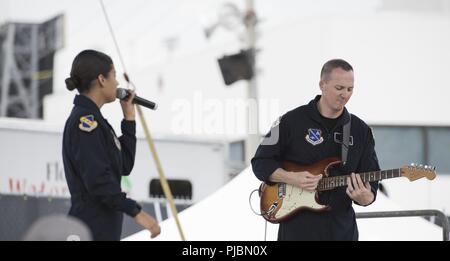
85, 102
314, 113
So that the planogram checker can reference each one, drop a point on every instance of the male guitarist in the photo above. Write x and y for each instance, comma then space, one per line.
314, 132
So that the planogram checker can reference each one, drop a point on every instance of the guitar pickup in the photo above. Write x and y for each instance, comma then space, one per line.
281, 190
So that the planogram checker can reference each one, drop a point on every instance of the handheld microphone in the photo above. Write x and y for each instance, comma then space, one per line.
122, 94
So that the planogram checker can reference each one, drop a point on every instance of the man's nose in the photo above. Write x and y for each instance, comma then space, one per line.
345, 94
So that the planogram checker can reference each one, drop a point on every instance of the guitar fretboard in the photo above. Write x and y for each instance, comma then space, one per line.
340, 181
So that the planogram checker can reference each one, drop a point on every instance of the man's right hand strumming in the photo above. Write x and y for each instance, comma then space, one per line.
302, 179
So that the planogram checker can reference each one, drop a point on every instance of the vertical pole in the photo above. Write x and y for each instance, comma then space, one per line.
162, 177
164, 183
253, 137
33, 100
8, 52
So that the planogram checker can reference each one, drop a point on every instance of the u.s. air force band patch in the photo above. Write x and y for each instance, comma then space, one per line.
87, 123
314, 136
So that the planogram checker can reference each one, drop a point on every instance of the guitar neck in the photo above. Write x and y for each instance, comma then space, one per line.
340, 181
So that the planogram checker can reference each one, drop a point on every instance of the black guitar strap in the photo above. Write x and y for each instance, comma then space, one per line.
345, 140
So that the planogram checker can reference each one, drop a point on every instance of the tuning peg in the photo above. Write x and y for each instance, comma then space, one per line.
420, 166
433, 168
412, 164
426, 166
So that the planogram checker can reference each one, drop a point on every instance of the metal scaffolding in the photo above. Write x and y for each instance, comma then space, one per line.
26, 65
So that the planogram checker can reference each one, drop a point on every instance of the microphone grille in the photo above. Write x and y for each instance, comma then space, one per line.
121, 93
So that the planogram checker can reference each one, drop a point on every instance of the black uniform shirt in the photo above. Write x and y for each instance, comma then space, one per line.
305, 137
94, 162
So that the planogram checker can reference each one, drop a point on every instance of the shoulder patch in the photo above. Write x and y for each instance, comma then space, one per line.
314, 136
87, 123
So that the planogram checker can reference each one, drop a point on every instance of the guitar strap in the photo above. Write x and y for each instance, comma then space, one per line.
345, 140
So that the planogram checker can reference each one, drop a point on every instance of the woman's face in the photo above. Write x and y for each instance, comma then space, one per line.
110, 86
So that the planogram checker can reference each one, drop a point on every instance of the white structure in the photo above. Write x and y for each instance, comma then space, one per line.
31, 162
399, 49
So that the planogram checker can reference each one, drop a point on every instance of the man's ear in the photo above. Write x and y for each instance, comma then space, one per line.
321, 85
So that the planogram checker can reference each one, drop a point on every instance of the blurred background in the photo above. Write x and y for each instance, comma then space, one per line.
221, 73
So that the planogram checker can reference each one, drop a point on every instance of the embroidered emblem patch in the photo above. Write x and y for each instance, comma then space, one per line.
87, 123
116, 140
314, 136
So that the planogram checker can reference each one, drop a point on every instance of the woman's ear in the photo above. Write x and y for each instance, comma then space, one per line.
101, 80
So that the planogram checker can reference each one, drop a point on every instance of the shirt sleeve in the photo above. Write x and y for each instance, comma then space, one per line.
369, 161
269, 153
128, 143
94, 163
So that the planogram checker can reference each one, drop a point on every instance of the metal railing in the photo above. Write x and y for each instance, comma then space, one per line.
411, 213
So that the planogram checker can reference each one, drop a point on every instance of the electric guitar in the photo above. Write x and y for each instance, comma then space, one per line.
279, 201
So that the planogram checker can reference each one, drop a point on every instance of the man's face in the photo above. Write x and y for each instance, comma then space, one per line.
337, 89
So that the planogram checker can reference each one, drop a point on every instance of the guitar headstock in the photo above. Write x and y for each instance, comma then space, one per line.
415, 171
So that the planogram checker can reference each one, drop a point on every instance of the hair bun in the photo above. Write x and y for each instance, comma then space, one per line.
71, 83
